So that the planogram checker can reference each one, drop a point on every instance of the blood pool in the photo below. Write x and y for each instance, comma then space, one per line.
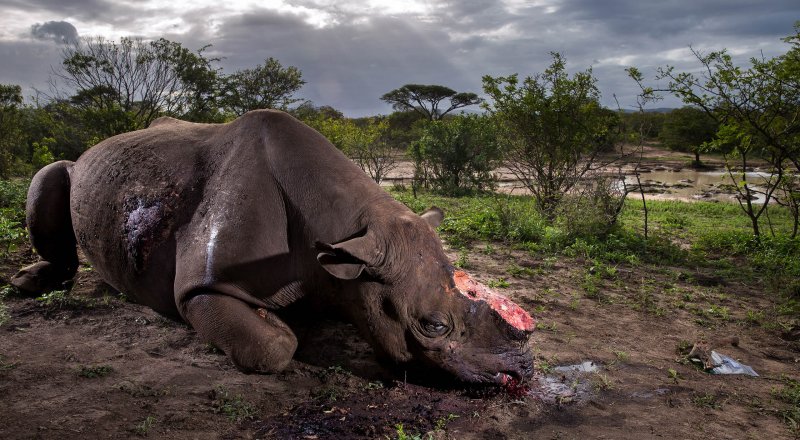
513, 314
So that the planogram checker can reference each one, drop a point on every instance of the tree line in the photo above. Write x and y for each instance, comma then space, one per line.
547, 129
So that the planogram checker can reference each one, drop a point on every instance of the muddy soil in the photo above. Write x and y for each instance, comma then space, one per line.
91, 365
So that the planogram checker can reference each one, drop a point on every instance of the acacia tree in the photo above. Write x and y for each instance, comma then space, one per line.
265, 86
125, 85
551, 127
688, 129
426, 99
757, 109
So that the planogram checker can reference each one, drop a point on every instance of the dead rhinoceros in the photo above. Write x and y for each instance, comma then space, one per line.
226, 224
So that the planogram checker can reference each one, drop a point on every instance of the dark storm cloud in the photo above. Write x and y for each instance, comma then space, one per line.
669, 18
351, 61
58, 31
31, 64
349, 66
83, 9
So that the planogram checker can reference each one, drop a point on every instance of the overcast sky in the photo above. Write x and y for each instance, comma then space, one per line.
352, 52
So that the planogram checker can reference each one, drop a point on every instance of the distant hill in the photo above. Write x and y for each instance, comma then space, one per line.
651, 110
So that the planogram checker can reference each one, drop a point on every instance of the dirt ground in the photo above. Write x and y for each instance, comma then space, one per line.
95, 366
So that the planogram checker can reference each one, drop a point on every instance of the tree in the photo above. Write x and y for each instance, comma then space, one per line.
457, 155
364, 142
264, 86
551, 127
425, 99
307, 111
688, 129
10, 128
644, 125
757, 109
126, 85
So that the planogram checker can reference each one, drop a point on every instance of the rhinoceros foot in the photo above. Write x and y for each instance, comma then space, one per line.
38, 278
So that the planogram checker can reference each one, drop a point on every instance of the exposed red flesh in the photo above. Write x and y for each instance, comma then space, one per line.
513, 314
513, 387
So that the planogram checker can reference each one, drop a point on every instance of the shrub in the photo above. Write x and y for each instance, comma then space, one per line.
457, 155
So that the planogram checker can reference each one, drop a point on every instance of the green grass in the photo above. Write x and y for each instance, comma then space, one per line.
94, 371
143, 428
12, 213
234, 407
4, 316
717, 236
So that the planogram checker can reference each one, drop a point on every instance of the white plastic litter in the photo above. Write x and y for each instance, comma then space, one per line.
584, 367
725, 365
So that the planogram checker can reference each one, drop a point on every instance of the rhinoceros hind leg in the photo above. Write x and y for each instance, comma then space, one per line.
50, 225
255, 339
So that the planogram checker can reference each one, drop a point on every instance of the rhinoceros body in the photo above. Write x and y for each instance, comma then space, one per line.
225, 225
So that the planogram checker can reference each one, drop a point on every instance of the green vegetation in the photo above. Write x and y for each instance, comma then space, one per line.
688, 129
365, 141
234, 407
143, 428
552, 129
3, 308
706, 400
790, 395
12, 214
756, 111
94, 371
457, 155
425, 99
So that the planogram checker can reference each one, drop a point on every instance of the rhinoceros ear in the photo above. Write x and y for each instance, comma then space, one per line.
346, 260
434, 216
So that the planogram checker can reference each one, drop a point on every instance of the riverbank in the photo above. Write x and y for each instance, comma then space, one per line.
663, 174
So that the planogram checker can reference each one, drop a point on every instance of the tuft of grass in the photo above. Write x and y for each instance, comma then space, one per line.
706, 400
674, 375
140, 390
499, 283
519, 271
545, 367
789, 394
376, 385
141, 429
683, 348
61, 299
95, 371
401, 434
6, 366
441, 422
463, 261
601, 382
622, 356
234, 407
4, 316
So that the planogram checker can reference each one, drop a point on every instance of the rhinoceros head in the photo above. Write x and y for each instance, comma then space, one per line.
416, 309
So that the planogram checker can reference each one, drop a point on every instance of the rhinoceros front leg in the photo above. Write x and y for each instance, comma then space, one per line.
255, 339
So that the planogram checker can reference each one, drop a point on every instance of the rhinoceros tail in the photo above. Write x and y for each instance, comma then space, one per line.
50, 226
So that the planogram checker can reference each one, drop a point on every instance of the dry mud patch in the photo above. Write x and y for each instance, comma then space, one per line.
102, 367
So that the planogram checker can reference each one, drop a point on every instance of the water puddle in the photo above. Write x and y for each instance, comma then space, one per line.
695, 185
569, 384
584, 367
661, 183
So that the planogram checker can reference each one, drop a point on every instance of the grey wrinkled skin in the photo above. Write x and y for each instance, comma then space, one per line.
224, 225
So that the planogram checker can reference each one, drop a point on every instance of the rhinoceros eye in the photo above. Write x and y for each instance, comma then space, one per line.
435, 324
